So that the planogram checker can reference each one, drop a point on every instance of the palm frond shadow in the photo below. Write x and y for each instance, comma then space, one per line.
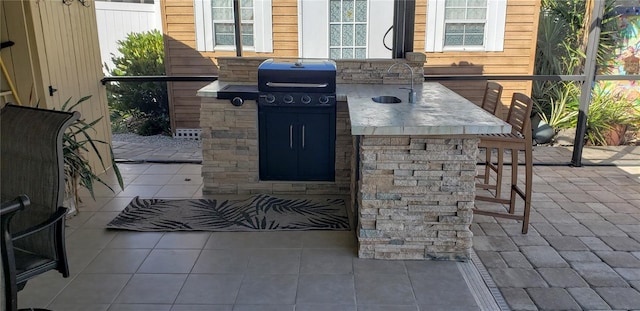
256, 213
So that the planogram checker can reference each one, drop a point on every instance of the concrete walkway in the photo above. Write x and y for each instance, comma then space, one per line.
582, 251
157, 152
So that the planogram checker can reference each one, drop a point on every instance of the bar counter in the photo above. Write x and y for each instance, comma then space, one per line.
409, 167
415, 170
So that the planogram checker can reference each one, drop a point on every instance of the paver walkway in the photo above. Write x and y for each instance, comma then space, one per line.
582, 251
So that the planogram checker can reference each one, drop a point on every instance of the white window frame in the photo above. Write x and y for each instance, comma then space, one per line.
262, 27
493, 32
353, 23
313, 28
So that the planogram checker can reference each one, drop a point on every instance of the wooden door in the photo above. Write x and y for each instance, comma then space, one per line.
66, 51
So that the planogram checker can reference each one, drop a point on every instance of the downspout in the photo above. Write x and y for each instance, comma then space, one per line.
237, 27
404, 15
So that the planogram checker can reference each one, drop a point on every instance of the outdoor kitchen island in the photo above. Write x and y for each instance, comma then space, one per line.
409, 168
416, 167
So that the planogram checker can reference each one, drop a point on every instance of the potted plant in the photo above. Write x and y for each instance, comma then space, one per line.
611, 113
557, 114
77, 141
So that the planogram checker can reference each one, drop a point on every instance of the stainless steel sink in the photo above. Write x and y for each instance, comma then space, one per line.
386, 99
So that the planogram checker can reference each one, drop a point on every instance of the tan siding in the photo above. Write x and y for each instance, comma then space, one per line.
420, 26
183, 59
517, 58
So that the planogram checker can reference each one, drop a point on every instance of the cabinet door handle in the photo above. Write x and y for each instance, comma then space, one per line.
303, 136
291, 136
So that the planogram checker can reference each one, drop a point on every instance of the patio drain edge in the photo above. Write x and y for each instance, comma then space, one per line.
481, 285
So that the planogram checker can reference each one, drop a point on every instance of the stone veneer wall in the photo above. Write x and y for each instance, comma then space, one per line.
416, 197
372, 71
376, 71
230, 134
230, 152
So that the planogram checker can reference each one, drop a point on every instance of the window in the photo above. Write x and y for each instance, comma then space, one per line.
215, 28
347, 29
464, 22
344, 28
223, 29
465, 25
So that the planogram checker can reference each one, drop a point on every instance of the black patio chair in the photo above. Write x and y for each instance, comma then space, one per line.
32, 185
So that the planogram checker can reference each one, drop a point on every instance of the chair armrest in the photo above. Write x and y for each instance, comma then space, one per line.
62, 211
10, 207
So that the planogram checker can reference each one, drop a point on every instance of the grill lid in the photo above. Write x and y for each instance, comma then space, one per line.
297, 75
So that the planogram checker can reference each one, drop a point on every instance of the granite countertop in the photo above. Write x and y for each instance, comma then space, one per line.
437, 111
211, 89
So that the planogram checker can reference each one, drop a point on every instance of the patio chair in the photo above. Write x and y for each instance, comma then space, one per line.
32, 175
491, 99
518, 140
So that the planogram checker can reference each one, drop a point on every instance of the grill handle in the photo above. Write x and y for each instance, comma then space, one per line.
294, 85
291, 136
303, 136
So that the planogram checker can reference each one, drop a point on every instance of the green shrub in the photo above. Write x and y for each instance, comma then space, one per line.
558, 113
608, 109
142, 55
119, 121
153, 125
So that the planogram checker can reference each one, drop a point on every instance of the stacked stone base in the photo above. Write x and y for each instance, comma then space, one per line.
230, 153
415, 197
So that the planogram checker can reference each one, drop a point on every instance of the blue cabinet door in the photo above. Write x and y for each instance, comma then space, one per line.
316, 155
278, 151
297, 144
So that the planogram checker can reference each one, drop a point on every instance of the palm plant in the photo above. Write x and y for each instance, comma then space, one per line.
77, 141
561, 113
561, 51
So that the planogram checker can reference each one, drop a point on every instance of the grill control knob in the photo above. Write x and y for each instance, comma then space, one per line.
323, 99
270, 98
287, 99
237, 101
306, 99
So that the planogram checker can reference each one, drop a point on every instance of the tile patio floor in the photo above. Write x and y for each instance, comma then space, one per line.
582, 253
311, 270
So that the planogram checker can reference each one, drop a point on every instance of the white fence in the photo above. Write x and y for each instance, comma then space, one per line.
117, 19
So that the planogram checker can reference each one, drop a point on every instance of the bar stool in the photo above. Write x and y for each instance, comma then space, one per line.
518, 140
491, 99
490, 103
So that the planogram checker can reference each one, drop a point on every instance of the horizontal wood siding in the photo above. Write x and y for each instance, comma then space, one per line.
517, 58
183, 59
